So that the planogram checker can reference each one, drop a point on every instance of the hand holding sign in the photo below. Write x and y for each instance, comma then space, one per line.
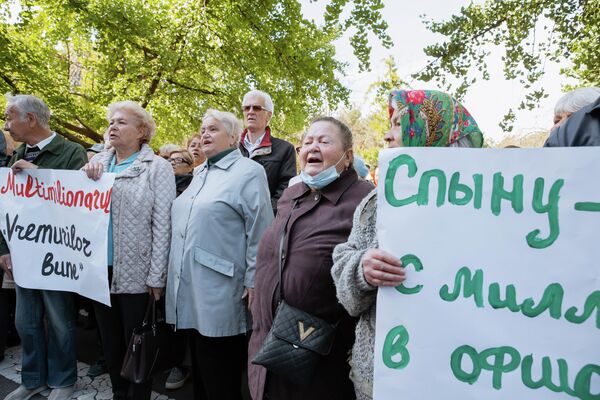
382, 269
21, 165
93, 170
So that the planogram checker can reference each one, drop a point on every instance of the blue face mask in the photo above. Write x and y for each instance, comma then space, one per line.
323, 178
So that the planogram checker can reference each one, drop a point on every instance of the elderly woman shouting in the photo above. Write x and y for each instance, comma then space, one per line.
217, 225
313, 216
139, 233
419, 118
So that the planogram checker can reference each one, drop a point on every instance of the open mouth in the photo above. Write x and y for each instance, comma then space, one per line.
313, 160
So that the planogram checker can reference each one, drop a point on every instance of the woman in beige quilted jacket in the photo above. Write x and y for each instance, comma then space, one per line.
139, 233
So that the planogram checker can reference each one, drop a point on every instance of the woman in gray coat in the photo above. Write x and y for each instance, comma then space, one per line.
138, 235
217, 225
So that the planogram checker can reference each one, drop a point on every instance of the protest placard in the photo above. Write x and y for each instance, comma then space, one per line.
502, 297
55, 223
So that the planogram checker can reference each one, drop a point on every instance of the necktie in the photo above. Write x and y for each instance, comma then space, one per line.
31, 153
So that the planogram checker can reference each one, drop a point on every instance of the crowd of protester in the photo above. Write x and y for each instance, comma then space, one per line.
225, 229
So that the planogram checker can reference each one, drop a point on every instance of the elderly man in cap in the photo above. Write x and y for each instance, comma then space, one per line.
48, 358
277, 156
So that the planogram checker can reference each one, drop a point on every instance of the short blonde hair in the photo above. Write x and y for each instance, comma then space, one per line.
143, 118
232, 124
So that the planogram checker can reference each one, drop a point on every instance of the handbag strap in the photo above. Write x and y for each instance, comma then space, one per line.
282, 251
150, 314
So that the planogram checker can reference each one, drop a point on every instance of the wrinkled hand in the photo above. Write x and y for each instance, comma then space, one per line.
249, 296
93, 170
155, 292
380, 268
20, 165
6, 264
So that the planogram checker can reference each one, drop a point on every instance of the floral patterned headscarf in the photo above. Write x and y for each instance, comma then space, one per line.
430, 118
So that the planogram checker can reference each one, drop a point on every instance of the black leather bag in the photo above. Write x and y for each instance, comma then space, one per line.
295, 344
297, 340
151, 348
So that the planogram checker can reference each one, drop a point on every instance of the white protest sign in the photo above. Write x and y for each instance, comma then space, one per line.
56, 223
502, 253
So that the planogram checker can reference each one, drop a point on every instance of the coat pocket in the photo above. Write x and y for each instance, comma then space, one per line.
213, 262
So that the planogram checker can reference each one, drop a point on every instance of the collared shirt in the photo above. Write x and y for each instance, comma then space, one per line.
43, 143
116, 168
216, 158
31, 152
248, 145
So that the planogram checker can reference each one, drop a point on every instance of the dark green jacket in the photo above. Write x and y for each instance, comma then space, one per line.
58, 154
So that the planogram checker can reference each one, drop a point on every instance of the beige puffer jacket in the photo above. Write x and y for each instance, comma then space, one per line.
141, 216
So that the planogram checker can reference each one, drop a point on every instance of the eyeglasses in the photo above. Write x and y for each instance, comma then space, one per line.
253, 107
177, 160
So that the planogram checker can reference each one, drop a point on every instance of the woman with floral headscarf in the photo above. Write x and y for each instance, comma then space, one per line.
419, 118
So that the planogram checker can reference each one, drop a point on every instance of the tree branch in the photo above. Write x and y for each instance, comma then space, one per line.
72, 138
11, 84
152, 89
194, 89
85, 131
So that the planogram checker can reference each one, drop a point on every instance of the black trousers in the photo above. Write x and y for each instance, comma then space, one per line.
8, 332
116, 325
217, 365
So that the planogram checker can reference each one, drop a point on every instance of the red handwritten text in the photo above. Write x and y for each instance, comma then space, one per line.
57, 193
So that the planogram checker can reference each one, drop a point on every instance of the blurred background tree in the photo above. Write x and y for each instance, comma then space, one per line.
177, 58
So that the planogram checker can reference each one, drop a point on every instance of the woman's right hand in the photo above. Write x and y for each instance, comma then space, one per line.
380, 268
93, 170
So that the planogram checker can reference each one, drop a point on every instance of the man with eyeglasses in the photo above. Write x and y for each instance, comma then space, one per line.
277, 156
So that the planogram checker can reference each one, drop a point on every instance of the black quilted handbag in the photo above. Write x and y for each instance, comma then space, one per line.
295, 344
297, 340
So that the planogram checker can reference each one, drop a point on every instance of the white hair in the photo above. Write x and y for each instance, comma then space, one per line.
144, 120
232, 124
28, 104
576, 99
168, 148
264, 95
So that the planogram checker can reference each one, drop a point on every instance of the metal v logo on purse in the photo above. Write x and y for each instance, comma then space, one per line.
304, 333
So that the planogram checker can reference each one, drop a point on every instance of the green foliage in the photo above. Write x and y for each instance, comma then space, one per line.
365, 17
177, 58
570, 30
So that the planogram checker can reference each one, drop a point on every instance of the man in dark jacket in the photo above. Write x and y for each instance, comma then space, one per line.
277, 156
3, 155
581, 129
48, 357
